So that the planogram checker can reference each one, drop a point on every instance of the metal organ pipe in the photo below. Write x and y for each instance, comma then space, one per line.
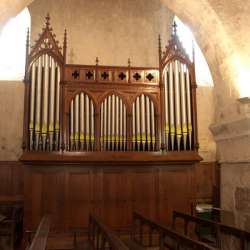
171, 105
76, 121
189, 107
72, 135
124, 128
82, 121
45, 101
183, 107
57, 123
153, 125
143, 129
38, 104
32, 105
92, 137
51, 103
133, 127
121, 134
177, 105
166, 129
148, 127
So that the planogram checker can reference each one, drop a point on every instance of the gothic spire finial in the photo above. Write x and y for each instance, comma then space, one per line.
129, 62
159, 42
174, 28
65, 45
97, 61
47, 20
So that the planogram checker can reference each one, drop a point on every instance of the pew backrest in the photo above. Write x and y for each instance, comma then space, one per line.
102, 237
218, 228
167, 237
39, 241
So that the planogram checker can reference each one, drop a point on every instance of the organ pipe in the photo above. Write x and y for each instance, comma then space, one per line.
133, 127
92, 137
171, 105
166, 93
183, 108
189, 108
177, 105
32, 100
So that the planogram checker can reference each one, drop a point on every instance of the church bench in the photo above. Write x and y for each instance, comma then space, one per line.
102, 237
219, 231
166, 237
11, 221
40, 238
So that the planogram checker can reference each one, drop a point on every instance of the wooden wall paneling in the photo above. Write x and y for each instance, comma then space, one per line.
206, 179
53, 197
117, 207
144, 198
34, 190
97, 192
175, 191
11, 181
79, 198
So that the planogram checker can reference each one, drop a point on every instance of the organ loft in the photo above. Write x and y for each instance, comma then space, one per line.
119, 153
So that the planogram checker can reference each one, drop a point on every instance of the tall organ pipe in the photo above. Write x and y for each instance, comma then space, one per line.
171, 105
165, 74
183, 108
38, 103
92, 137
82, 120
153, 125
57, 123
32, 105
133, 127
143, 129
149, 138
51, 102
138, 124
189, 108
177, 105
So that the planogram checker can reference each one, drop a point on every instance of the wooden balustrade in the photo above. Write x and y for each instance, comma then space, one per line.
217, 229
101, 237
166, 238
39, 241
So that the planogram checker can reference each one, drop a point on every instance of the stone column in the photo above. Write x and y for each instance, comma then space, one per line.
233, 149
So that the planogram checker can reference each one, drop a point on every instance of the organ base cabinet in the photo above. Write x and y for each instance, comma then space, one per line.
112, 185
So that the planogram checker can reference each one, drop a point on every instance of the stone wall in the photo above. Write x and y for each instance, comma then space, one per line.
11, 122
109, 29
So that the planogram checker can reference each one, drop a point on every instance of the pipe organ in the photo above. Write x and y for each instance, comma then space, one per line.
105, 108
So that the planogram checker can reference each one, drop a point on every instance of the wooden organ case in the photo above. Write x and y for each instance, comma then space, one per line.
107, 139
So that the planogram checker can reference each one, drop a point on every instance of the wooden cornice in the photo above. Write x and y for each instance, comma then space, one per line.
111, 158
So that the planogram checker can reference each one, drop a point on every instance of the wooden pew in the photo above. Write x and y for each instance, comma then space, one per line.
219, 230
39, 241
167, 238
101, 237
